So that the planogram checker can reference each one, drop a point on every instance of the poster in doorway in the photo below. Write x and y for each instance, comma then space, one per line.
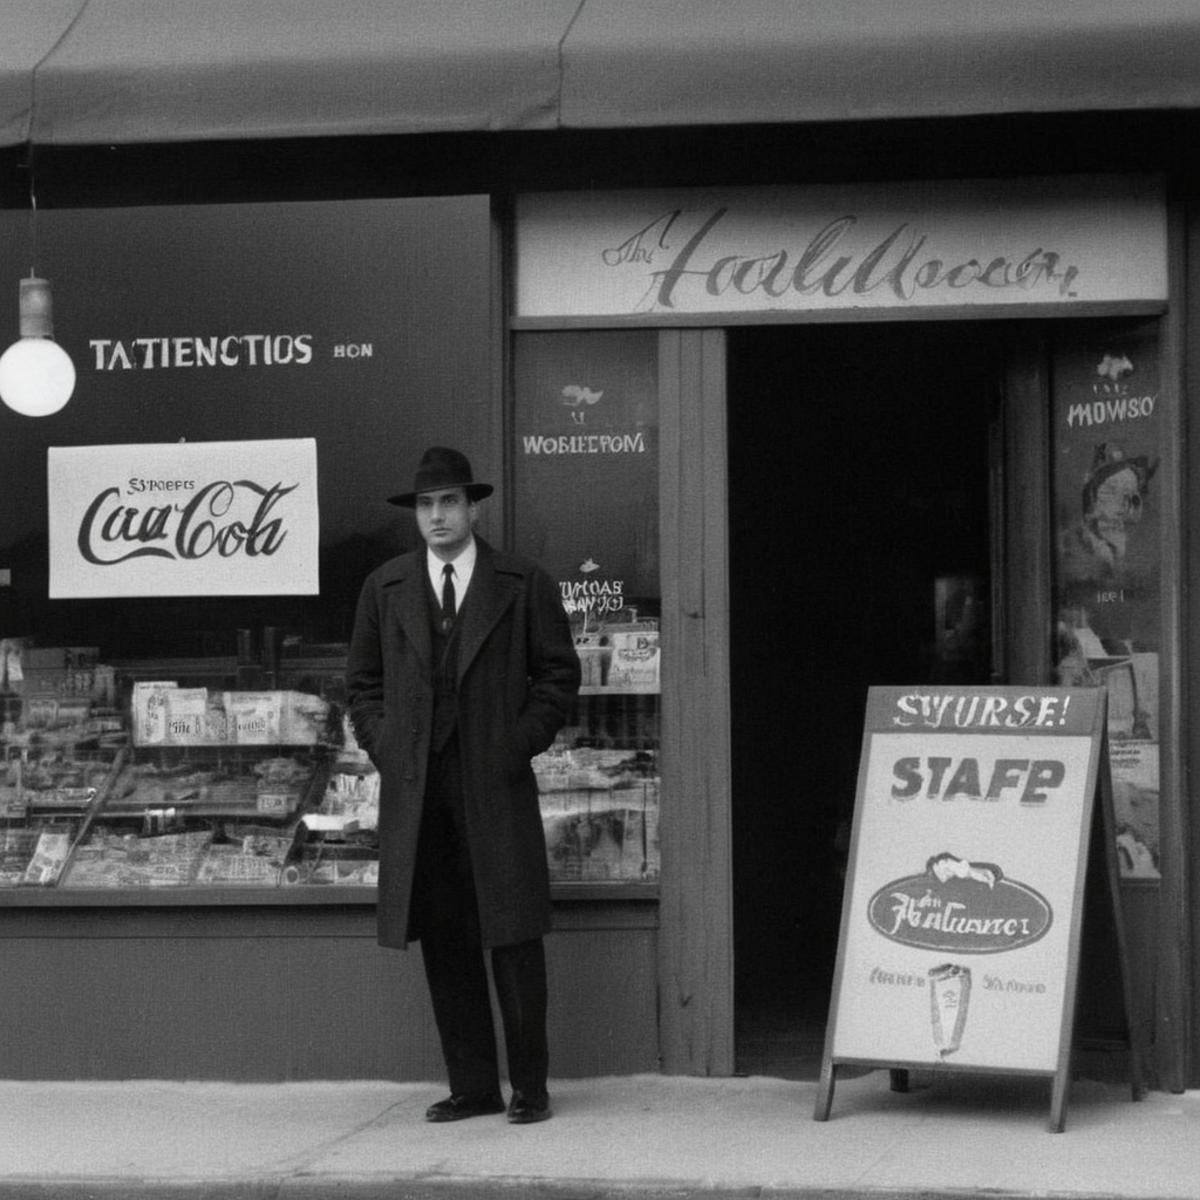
1106, 439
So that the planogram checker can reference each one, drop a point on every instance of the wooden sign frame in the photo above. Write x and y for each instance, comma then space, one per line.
962, 918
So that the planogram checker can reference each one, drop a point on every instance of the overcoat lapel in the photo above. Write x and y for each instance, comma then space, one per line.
488, 597
412, 611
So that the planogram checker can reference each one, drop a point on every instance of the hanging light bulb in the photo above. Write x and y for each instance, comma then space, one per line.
37, 376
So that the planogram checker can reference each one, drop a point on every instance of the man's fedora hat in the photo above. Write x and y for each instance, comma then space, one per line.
441, 468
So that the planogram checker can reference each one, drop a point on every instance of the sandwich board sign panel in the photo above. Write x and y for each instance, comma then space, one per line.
962, 916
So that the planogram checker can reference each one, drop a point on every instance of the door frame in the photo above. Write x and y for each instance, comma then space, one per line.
696, 892
696, 945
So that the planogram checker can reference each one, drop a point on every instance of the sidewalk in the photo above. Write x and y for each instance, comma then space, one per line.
643, 1137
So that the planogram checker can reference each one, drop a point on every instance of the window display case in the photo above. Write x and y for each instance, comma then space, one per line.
203, 816
150, 784
586, 509
599, 782
119, 780
62, 740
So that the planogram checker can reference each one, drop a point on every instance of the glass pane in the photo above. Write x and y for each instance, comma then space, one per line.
357, 325
586, 509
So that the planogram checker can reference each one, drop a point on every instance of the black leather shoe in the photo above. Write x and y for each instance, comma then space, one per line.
525, 1109
458, 1108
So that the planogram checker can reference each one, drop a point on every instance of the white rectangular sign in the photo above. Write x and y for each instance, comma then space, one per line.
962, 907
897, 246
184, 519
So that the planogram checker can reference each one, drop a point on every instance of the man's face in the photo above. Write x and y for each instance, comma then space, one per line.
445, 519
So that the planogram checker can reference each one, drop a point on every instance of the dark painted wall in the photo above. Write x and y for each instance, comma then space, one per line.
273, 994
383, 308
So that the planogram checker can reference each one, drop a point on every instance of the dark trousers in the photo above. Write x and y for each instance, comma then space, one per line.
446, 912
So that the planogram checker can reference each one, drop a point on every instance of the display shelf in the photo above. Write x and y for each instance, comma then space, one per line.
183, 821
189, 897
53, 790
599, 793
616, 889
596, 689
198, 818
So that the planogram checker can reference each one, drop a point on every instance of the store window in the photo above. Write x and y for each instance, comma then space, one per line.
187, 732
586, 508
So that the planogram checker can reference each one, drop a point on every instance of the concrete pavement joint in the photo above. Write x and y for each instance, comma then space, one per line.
379, 1121
453, 1188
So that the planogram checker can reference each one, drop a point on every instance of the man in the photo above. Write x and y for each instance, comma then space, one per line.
461, 669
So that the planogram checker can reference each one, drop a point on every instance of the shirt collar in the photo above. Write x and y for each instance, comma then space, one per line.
464, 568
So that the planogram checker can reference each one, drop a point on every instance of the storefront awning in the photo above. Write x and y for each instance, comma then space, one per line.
88, 72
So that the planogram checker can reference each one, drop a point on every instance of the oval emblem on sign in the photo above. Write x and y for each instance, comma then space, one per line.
959, 906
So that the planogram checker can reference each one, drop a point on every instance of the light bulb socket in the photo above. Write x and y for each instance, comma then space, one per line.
36, 308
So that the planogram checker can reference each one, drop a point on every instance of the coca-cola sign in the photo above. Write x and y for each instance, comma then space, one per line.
208, 518
960, 907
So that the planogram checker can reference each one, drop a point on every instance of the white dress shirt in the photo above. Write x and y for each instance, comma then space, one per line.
464, 568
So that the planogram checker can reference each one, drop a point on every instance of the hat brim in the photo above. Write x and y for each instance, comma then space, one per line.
475, 491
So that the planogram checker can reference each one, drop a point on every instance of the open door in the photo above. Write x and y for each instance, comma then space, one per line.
864, 467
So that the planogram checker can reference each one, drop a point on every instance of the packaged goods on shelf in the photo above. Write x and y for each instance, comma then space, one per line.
190, 719
304, 719
344, 866
635, 661
49, 857
618, 651
55, 672
190, 787
231, 785
253, 718
281, 717
164, 714
113, 858
255, 857
592, 663
282, 784
590, 844
580, 768
17, 846
39, 779
353, 797
599, 808
148, 711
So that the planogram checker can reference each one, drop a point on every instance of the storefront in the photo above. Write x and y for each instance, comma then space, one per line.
780, 427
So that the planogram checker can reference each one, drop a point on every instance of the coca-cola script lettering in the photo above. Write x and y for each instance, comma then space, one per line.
224, 517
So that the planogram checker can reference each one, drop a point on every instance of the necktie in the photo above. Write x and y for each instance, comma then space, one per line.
447, 597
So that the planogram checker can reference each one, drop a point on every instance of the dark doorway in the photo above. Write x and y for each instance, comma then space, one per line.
859, 469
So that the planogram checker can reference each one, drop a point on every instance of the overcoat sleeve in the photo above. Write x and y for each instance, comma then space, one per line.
364, 670
552, 664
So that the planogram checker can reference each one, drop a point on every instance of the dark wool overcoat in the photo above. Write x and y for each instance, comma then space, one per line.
517, 675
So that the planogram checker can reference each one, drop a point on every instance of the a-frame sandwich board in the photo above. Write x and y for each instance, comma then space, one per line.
962, 918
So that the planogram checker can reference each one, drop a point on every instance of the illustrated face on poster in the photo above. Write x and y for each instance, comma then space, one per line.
1106, 439
1100, 546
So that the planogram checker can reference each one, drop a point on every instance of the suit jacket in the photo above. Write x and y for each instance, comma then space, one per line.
517, 673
